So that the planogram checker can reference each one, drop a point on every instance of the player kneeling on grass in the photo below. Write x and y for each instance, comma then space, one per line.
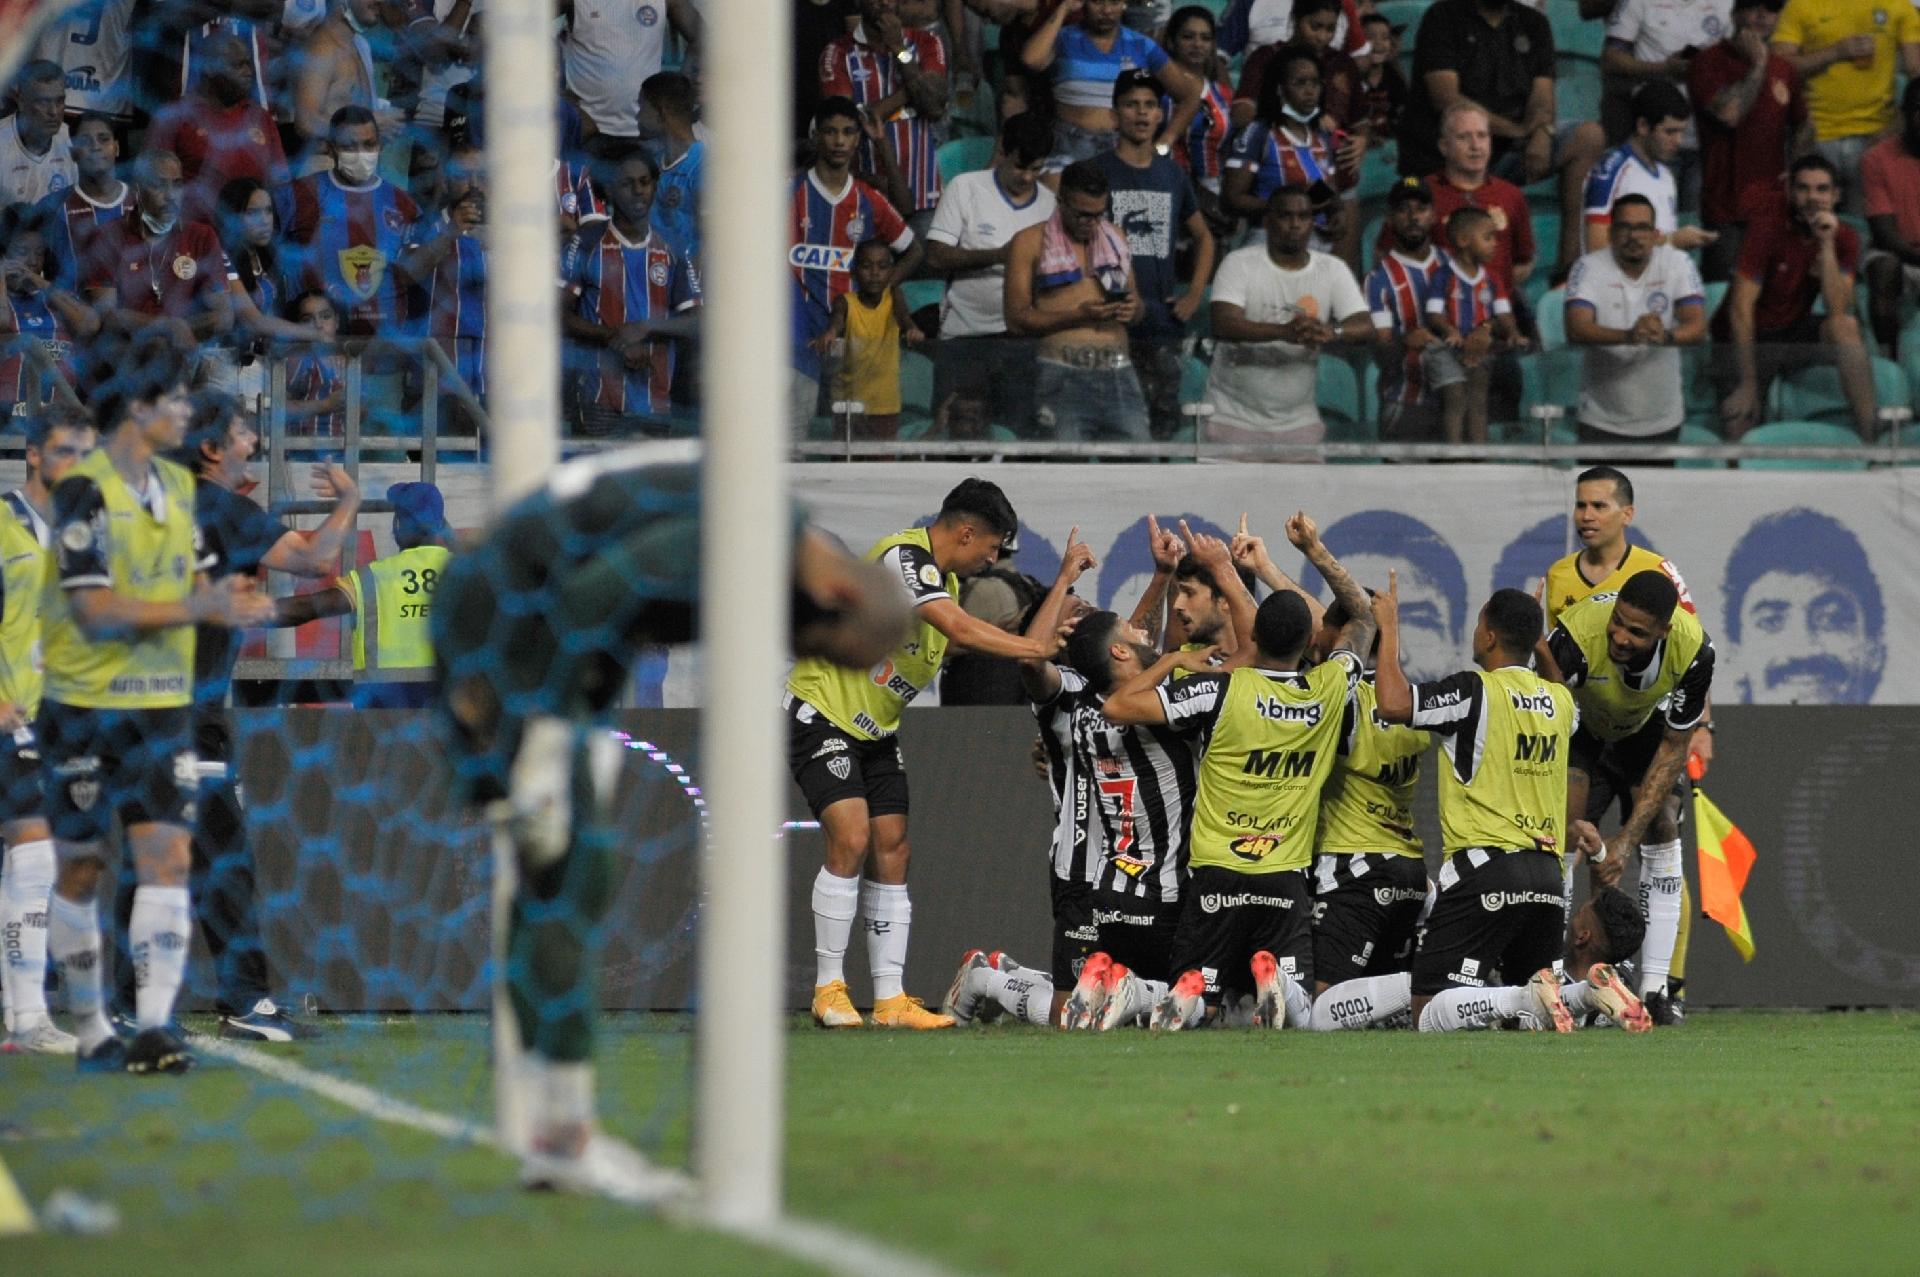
1605, 931
1139, 792
1503, 734
115, 728
1267, 730
535, 633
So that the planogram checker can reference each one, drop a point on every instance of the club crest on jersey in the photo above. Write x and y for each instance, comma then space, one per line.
77, 537
185, 267
362, 267
648, 15
1657, 303
841, 766
657, 273
856, 228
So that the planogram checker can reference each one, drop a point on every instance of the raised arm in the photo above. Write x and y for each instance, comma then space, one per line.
1392, 694
1150, 612
1214, 555
1357, 634
1138, 699
1040, 679
317, 553
1250, 552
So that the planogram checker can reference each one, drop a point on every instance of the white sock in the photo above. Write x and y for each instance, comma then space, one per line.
836, 901
1473, 1008
161, 929
1299, 1004
1023, 992
1579, 998
566, 1093
889, 916
1156, 990
26, 882
1660, 905
73, 938
1363, 1003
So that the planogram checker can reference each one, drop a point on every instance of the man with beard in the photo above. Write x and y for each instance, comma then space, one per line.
218, 130
1640, 668
1397, 289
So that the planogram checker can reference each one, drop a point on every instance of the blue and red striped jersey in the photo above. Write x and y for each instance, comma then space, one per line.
615, 281
28, 313
72, 219
823, 232
1397, 292
314, 376
452, 300
1278, 160
859, 71
1469, 300
346, 240
1203, 152
573, 192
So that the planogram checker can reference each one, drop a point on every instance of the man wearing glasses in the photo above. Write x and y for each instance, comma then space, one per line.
1630, 304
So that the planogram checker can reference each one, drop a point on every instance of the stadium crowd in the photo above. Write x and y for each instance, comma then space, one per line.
1258, 220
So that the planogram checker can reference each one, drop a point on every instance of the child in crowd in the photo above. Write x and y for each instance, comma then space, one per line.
871, 320
1469, 312
316, 378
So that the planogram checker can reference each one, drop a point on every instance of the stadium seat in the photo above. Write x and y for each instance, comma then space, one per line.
1574, 36
1695, 432
1814, 394
1369, 239
1716, 292
1551, 316
963, 155
980, 118
916, 383
1379, 170
1786, 434
1546, 237
1337, 391
1577, 96
921, 293
1194, 372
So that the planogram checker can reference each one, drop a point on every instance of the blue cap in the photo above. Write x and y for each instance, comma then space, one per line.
420, 504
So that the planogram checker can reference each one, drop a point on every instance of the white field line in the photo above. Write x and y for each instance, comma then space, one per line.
833, 1248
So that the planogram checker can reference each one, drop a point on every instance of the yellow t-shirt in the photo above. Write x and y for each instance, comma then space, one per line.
1269, 738
1566, 585
23, 574
871, 373
1848, 100
868, 703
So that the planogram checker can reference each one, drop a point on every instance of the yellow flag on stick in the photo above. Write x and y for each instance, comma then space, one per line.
1726, 856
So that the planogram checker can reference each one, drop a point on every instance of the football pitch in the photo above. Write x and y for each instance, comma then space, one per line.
1745, 1143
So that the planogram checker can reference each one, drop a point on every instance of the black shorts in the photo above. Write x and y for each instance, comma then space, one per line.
1074, 936
1613, 768
1497, 920
1228, 916
1137, 933
95, 764
20, 777
1365, 910
830, 765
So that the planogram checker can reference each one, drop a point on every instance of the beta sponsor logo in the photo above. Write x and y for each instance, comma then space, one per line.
1384, 896
1540, 702
823, 257
1495, 901
1215, 901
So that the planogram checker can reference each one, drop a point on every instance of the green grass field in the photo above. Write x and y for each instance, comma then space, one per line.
1745, 1143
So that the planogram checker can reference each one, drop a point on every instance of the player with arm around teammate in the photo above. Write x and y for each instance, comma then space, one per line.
843, 751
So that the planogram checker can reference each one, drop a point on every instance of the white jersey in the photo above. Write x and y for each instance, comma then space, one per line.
611, 47
1633, 390
26, 178
1660, 29
93, 44
1270, 385
1622, 171
974, 213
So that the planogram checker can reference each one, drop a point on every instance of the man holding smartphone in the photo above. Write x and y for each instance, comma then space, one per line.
1070, 284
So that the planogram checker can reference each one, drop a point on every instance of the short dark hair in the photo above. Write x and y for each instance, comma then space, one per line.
1620, 918
350, 116
1084, 177
1289, 191
101, 116
306, 295
1622, 486
146, 166
1632, 199
1338, 617
981, 501
1307, 8
21, 219
141, 368
1515, 619
1026, 138
213, 412
55, 416
1652, 592
837, 107
1465, 219
1191, 569
671, 94
1185, 14
1813, 160
1087, 649
1659, 100
1283, 625
605, 167
870, 243
39, 71
1801, 542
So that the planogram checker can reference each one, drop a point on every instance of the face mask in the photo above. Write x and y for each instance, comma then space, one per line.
1304, 117
158, 227
356, 166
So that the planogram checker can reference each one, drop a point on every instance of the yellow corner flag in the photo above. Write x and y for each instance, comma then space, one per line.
1725, 858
